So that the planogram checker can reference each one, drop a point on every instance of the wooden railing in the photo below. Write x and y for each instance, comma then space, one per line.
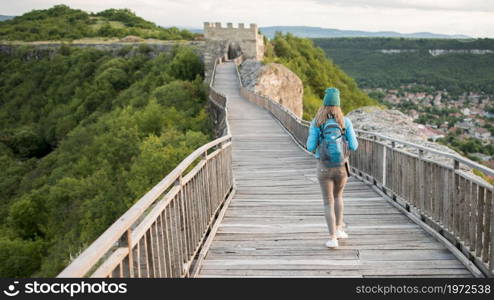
162, 233
457, 206
453, 202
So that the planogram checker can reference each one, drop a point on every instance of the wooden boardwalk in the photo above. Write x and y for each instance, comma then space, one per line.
274, 225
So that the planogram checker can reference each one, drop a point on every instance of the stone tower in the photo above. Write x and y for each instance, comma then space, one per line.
235, 41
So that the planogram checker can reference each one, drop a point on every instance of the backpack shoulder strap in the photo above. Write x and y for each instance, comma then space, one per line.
332, 125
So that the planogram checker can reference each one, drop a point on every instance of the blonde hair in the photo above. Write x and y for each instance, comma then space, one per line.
326, 112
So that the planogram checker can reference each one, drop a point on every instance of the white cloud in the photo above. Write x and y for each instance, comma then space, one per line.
434, 5
470, 17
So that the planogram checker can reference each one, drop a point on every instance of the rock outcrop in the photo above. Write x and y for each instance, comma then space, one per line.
274, 81
131, 39
395, 124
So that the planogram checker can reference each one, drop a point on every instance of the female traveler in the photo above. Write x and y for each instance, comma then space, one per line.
331, 135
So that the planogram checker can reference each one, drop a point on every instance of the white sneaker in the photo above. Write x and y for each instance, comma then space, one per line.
332, 243
340, 234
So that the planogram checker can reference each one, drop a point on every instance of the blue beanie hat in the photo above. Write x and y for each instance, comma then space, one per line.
332, 97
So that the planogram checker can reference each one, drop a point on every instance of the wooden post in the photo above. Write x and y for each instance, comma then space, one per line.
480, 215
384, 166
177, 227
456, 198
126, 241
491, 213
373, 170
491, 262
420, 182
186, 251
131, 255
486, 257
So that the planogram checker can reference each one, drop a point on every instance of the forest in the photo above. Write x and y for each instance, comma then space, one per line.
64, 23
455, 72
83, 135
377, 43
316, 71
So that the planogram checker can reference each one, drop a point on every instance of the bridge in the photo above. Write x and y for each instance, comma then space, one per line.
248, 204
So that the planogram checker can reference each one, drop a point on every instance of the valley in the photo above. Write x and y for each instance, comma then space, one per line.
445, 85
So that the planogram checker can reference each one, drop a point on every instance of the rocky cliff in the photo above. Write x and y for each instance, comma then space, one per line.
395, 124
128, 46
274, 81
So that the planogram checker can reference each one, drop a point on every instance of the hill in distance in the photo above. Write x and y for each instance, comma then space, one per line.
64, 23
4, 18
318, 32
459, 70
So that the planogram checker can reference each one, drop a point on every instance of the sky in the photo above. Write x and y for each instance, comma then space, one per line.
470, 17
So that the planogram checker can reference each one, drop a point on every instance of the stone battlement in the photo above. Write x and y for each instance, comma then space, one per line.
215, 31
231, 42
237, 40
240, 26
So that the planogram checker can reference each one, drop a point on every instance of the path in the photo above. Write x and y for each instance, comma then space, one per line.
275, 226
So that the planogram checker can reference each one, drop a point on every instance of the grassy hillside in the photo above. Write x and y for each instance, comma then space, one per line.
456, 72
316, 72
83, 135
63, 23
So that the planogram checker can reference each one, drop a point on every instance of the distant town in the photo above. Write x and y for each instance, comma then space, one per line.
463, 122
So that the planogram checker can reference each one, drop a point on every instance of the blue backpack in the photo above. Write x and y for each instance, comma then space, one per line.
333, 147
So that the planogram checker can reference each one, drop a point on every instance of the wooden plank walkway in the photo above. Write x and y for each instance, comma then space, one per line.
274, 226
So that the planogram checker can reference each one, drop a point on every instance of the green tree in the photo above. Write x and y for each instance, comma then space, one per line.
186, 65
316, 72
20, 258
114, 126
63, 23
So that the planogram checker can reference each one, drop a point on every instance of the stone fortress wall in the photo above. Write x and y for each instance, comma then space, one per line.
240, 40
272, 80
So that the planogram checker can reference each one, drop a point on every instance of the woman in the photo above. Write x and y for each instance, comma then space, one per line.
332, 179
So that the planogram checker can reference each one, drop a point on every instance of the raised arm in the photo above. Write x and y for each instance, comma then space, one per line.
350, 135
